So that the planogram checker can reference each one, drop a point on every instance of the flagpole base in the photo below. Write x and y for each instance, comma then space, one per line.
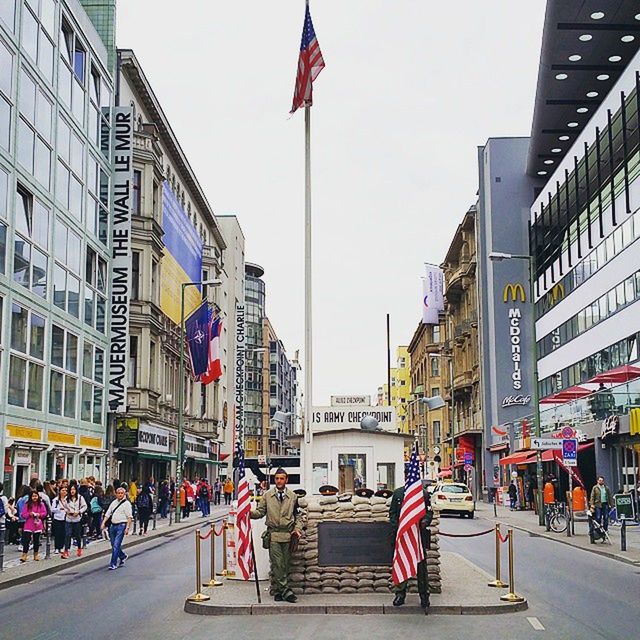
512, 597
222, 574
212, 583
498, 584
199, 597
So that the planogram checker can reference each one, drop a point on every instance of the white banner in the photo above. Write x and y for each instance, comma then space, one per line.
153, 438
120, 289
333, 418
432, 294
239, 370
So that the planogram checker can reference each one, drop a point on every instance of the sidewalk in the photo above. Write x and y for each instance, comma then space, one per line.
464, 592
17, 573
528, 521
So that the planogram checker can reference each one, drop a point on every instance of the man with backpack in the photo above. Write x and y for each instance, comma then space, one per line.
204, 494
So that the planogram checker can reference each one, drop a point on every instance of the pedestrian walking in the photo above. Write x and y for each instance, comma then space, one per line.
164, 497
228, 490
5, 514
144, 507
133, 490
601, 502
513, 496
204, 493
34, 514
58, 520
217, 491
118, 521
95, 507
75, 508
284, 528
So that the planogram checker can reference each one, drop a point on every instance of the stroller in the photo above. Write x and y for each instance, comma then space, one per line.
596, 530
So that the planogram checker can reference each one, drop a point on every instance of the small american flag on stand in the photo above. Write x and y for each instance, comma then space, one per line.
408, 551
243, 522
310, 64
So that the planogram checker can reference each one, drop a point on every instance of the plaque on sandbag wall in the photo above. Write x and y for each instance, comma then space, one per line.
355, 544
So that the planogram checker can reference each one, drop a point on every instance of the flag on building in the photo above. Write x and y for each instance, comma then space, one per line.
408, 550
310, 64
243, 521
214, 368
432, 294
197, 331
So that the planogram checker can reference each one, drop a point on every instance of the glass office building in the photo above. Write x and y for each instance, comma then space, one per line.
55, 95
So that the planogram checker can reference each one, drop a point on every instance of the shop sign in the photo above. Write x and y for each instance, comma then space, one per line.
624, 505
121, 192
197, 447
519, 400
337, 401
127, 432
61, 438
91, 442
153, 438
24, 433
22, 457
610, 427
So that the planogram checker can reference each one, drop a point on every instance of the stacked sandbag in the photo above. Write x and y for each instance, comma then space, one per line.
308, 577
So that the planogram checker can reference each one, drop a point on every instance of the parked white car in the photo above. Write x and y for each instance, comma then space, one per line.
453, 497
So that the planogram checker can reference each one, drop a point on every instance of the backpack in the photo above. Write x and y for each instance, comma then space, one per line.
204, 491
144, 501
2, 509
95, 505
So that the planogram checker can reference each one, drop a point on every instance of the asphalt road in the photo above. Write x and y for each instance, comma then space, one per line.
572, 594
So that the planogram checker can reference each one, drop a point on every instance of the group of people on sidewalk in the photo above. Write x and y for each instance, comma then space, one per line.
82, 510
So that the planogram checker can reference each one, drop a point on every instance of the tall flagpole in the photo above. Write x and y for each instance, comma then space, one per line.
308, 343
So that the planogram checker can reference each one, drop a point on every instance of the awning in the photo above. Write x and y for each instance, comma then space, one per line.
149, 455
567, 395
503, 446
519, 457
619, 374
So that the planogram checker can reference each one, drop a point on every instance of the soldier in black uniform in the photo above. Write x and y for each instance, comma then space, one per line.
425, 534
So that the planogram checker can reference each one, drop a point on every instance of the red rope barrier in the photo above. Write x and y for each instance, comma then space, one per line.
466, 535
218, 533
208, 535
503, 538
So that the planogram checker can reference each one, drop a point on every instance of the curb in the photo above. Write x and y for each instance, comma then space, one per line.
596, 551
197, 608
46, 571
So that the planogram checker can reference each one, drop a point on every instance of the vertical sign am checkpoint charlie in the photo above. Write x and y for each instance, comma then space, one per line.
122, 150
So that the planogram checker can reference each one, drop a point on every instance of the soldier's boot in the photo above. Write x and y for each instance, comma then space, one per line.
398, 601
425, 603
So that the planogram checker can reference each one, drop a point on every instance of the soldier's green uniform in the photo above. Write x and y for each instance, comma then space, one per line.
283, 518
394, 515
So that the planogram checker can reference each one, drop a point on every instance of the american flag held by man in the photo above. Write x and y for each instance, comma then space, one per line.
410, 513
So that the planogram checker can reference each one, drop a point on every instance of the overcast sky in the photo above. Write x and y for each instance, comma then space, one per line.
409, 91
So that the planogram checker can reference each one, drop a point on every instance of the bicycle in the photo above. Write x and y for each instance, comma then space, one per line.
556, 517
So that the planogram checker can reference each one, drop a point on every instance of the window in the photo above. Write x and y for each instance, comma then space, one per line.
436, 431
69, 169
386, 472
133, 361
30, 260
436, 333
72, 70
320, 476
98, 200
155, 275
4, 210
38, 27
66, 269
136, 203
95, 300
8, 13
6, 80
99, 97
352, 471
135, 275
26, 366
435, 367
1, 326
91, 406
64, 372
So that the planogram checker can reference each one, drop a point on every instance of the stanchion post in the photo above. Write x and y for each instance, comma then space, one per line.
512, 596
224, 549
213, 582
498, 582
623, 535
155, 514
569, 509
47, 546
2, 534
134, 511
198, 596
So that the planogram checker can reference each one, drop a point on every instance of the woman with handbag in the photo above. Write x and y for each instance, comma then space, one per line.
58, 520
75, 507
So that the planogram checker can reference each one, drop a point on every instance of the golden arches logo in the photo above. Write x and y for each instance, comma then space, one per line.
557, 293
513, 291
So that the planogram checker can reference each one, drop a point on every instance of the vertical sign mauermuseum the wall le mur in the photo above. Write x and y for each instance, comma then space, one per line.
120, 292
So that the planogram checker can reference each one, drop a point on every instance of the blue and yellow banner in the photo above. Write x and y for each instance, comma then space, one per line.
182, 258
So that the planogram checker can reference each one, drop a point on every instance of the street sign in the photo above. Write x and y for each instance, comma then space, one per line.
262, 460
624, 505
546, 443
568, 432
570, 452
468, 457
468, 467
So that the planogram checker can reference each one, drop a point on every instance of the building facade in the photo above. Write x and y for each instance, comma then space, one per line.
56, 95
431, 427
462, 377
175, 238
401, 387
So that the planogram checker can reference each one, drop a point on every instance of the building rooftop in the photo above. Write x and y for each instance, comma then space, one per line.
586, 45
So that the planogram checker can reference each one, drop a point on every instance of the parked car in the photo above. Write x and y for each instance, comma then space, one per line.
454, 497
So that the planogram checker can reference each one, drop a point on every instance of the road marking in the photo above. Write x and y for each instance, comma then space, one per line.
536, 624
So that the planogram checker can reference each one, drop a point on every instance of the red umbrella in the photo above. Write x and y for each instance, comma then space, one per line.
567, 395
618, 375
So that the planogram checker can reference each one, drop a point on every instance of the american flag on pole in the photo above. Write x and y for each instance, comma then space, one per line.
310, 64
243, 522
408, 551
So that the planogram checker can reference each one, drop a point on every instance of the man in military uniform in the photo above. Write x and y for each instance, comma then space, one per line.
425, 534
284, 528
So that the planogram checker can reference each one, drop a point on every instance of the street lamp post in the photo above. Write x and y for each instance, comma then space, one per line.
180, 443
496, 256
